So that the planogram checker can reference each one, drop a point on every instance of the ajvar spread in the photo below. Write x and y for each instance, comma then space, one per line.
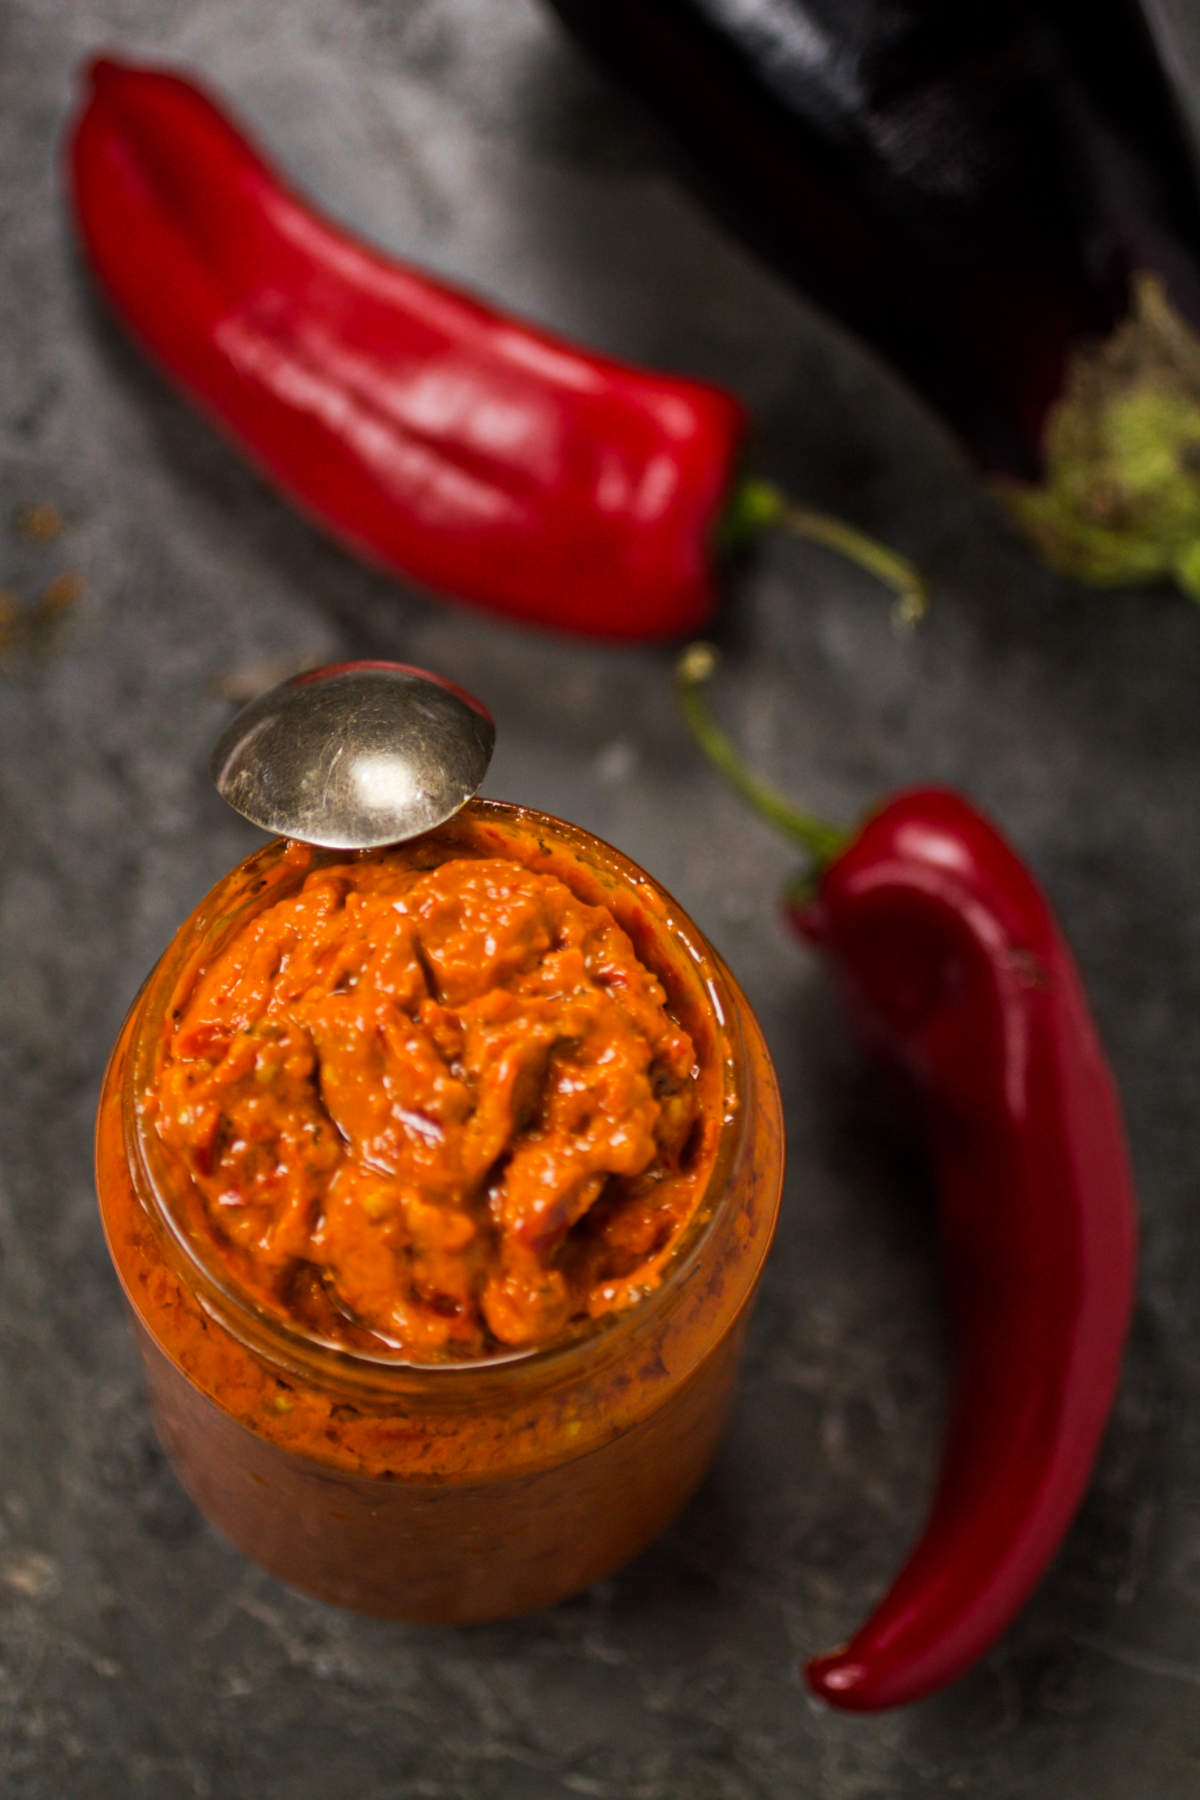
427, 1110
436, 1108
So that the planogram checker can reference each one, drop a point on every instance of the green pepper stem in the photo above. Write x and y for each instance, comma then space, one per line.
821, 839
758, 505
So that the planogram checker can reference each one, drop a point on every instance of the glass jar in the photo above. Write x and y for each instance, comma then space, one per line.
463, 1491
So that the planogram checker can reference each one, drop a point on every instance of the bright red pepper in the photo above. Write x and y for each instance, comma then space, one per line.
423, 428
955, 969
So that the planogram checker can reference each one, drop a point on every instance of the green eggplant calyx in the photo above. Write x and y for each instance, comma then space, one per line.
1120, 502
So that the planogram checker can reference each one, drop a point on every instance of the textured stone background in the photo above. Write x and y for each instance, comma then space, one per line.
138, 1655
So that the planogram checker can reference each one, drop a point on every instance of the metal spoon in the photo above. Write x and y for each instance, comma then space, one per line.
355, 755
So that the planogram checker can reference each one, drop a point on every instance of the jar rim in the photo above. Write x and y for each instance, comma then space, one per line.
301, 1354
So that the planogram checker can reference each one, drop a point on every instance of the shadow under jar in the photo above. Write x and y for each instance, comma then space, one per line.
455, 1490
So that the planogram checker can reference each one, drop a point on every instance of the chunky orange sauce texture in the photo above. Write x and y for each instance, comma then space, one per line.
439, 1109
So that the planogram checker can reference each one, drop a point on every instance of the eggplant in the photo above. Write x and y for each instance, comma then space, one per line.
999, 198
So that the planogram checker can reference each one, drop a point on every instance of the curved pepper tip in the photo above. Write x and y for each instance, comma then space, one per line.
837, 1679
102, 70
107, 76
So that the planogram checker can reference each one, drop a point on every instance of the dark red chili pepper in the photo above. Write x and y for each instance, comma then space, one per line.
431, 432
955, 969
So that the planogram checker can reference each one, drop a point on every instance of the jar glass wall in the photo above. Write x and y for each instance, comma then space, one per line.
452, 1491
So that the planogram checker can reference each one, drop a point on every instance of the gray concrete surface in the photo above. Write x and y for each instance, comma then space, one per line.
138, 1655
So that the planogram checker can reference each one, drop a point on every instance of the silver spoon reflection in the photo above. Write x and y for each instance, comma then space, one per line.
355, 755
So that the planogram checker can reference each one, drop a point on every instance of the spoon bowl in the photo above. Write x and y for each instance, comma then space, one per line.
355, 755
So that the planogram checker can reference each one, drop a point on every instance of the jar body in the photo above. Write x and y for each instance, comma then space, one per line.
456, 1552
448, 1494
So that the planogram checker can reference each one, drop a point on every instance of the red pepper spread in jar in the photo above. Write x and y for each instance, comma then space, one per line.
434, 1108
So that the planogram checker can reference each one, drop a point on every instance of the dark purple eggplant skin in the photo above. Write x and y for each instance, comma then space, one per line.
961, 184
